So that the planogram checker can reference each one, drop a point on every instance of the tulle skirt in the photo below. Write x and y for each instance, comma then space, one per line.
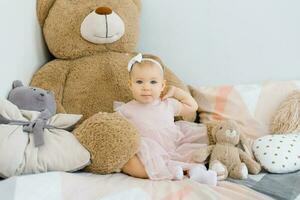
161, 152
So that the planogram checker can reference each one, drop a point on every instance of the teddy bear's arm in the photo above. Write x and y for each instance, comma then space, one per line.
202, 154
52, 76
253, 166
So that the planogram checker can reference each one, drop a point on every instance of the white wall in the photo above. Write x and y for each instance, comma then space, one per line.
21, 46
217, 41
204, 42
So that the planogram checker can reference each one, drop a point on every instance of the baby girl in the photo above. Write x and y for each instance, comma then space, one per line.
165, 150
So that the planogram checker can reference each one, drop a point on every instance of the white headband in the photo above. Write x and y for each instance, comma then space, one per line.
139, 58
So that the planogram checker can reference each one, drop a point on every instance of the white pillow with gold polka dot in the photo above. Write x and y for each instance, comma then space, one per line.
278, 153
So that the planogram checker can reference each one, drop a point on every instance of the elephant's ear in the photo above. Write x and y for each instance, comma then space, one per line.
138, 3
42, 9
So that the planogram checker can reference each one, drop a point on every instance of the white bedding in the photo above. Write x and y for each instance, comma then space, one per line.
18, 154
86, 186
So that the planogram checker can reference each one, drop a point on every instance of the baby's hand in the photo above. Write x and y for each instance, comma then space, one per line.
168, 92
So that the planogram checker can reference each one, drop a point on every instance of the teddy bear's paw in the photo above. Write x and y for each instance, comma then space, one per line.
222, 177
239, 171
257, 169
244, 171
220, 169
254, 168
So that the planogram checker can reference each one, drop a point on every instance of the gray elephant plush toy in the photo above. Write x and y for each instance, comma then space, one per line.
33, 99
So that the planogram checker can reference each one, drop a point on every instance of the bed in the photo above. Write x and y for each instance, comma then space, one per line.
82, 185
87, 186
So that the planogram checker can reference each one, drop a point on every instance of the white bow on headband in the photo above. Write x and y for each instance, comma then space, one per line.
139, 58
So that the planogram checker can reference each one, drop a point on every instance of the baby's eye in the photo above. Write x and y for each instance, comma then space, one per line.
139, 82
153, 82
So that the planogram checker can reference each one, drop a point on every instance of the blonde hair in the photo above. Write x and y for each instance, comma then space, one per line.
148, 63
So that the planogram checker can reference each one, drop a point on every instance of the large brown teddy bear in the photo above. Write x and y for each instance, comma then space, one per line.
92, 42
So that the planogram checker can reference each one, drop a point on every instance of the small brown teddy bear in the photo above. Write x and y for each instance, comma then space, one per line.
225, 157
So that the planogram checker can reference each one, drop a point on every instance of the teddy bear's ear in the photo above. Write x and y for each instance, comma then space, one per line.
42, 9
17, 83
138, 4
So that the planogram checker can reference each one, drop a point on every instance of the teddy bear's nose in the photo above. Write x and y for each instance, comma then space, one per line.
103, 11
42, 94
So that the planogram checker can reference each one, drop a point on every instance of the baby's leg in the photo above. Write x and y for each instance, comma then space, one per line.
134, 167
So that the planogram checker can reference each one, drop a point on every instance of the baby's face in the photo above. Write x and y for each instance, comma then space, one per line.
146, 82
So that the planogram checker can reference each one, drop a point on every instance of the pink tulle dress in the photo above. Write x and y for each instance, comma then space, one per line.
164, 144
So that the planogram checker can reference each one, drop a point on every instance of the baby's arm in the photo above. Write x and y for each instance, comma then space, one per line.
188, 104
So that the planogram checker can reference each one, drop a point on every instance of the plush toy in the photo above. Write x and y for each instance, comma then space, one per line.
245, 143
287, 119
33, 138
34, 99
92, 42
225, 158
